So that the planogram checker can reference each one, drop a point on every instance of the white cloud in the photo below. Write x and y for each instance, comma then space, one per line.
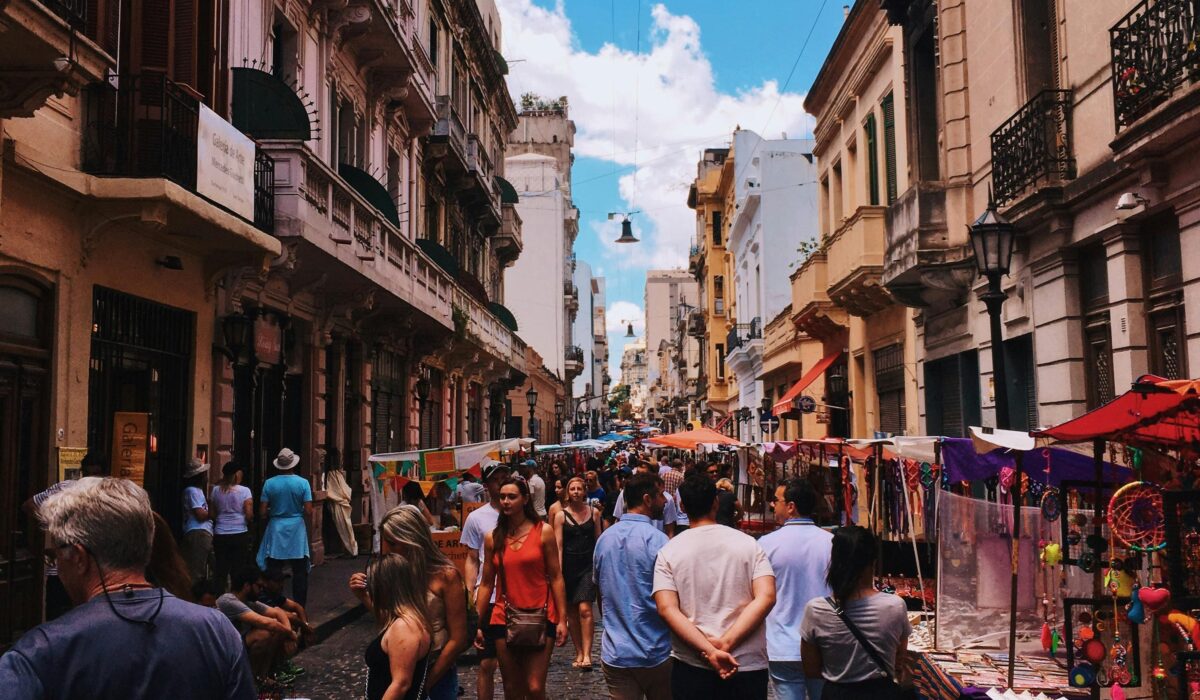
657, 110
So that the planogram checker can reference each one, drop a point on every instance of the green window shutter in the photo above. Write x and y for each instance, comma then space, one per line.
872, 160
889, 145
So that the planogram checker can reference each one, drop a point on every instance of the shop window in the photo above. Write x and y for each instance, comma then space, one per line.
889, 385
1164, 299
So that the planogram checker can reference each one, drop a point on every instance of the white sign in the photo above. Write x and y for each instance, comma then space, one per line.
224, 164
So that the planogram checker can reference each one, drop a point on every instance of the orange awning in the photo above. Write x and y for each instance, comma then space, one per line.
784, 404
689, 439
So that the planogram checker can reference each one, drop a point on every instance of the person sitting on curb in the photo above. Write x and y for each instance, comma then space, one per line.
266, 631
271, 595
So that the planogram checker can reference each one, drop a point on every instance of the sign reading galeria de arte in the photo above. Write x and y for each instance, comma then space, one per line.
131, 442
224, 164
454, 550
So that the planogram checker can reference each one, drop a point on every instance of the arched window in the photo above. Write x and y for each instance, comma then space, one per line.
21, 311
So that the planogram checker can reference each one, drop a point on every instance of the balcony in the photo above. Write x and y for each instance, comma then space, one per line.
1155, 67
695, 323
382, 37
573, 361
317, 206
854, 256
148, 128
45, 53
507, 243
571, 295
743, 334
1033, 148
923, 268
449, 139
815, 314
483, 185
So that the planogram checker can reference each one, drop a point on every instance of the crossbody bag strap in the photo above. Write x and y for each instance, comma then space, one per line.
862, 640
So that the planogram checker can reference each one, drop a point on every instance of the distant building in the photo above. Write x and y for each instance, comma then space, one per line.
669, 293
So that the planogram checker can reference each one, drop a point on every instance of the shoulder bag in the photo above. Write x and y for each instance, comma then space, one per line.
886, 688
523, 627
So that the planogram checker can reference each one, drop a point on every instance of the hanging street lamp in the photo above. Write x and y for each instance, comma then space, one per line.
626, 226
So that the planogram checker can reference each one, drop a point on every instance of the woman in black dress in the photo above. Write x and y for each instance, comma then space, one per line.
398, 660
577, 526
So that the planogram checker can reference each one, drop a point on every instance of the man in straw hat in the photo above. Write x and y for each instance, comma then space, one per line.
286, 503
197, 521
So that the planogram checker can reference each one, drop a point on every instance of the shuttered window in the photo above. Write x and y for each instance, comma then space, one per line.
872, 159
889, 145
1164, 304
952, 394
387, 402
889, 385
1098, 356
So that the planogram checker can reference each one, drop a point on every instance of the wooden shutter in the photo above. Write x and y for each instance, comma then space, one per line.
185, 42
872, 160
155, 37
889, 145
889, 386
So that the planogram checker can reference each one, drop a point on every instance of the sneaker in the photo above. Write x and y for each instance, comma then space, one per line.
289, 667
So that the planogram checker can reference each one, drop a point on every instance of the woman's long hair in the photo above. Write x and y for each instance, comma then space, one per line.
166, 568
500, 534
398, 586
855, 550
228, 472
405, 525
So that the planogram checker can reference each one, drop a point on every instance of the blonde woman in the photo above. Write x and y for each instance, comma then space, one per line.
405, 532
398, 659
576, 528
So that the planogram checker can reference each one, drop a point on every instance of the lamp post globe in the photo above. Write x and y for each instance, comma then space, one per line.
992, 237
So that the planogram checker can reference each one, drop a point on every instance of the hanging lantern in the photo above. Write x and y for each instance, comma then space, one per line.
629, 331
627, 232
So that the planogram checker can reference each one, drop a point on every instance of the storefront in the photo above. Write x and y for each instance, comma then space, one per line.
141, 364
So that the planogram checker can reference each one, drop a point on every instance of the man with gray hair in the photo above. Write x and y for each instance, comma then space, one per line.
124, 638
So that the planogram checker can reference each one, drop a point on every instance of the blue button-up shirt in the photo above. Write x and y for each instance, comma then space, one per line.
623, 566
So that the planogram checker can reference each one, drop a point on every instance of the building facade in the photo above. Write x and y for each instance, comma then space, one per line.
774, 208
288, 231
635, 370
709, 261
1084, 157
670, 295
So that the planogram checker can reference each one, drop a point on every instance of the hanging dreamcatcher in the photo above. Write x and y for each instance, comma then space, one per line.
1135, 516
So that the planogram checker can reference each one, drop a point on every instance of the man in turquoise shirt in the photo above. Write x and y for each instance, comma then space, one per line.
635, 652
286, 504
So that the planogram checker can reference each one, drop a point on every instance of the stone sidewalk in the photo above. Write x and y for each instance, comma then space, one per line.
330, 604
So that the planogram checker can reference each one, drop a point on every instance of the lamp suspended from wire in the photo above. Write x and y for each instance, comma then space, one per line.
629, 331
626, 226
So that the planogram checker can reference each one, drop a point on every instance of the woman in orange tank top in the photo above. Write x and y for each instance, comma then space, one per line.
521, 562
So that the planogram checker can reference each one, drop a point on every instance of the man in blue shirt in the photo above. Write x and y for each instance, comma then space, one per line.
799, 554
635, 652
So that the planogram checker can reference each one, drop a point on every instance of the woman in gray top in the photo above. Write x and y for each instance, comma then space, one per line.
828, 647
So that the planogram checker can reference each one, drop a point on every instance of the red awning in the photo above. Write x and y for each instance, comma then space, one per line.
784, 404
689, 439
1155, 412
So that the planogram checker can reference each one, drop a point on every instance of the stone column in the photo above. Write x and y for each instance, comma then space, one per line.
1127, 305
320, 437
1058, 338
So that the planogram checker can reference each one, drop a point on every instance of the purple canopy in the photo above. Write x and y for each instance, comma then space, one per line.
964, 464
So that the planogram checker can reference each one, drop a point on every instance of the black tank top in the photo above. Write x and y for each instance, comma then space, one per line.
379, 672
579, 538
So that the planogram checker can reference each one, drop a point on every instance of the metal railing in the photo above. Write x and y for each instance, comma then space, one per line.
1153, 52
743, 333
574, 353
1034, 145
146, 127
264, 191
73, 12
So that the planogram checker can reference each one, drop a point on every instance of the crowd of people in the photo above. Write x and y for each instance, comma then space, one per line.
691, 607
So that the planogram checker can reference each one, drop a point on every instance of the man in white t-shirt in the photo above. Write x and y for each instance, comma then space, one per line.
481, 521
714, 587
537, 487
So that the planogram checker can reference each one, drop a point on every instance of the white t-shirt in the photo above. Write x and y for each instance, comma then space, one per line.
228, 516
712, 569
537, 493
194, 498
479, 523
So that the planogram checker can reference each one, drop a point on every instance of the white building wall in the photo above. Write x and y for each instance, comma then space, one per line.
534, 284
581, 332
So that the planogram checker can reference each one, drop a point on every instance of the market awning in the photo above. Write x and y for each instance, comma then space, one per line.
1155, 412
689, 439
784, 404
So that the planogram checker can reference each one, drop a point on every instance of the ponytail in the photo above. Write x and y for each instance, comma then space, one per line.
855, 550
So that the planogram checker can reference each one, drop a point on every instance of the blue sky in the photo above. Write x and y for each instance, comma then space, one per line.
646, 103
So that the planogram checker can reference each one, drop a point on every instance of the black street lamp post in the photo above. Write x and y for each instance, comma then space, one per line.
559, 407
531, 398
992, 239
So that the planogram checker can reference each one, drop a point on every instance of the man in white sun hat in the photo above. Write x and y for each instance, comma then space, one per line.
286, 503
197, 521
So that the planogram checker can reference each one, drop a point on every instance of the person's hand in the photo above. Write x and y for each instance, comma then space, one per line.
560, 634
479, 639
358, 586
720, 643
722, 662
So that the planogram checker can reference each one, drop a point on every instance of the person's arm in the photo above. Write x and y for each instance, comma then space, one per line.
469, 538
668, 608
266, 622
737, 511
264, 508
810, 659
596, 521
425, 512
248, 509
199, 512
456, 624
901, 667
402, 643
557, 587
763, 592
558, 535
483, 592
358, 586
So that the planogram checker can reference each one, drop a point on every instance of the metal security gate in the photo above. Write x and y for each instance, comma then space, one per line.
142, 362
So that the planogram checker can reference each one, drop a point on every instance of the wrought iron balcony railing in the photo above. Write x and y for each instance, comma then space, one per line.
743, 333
73, 12
1153, 52
1033, 146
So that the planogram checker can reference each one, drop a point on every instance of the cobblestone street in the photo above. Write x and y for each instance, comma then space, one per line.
335, 669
